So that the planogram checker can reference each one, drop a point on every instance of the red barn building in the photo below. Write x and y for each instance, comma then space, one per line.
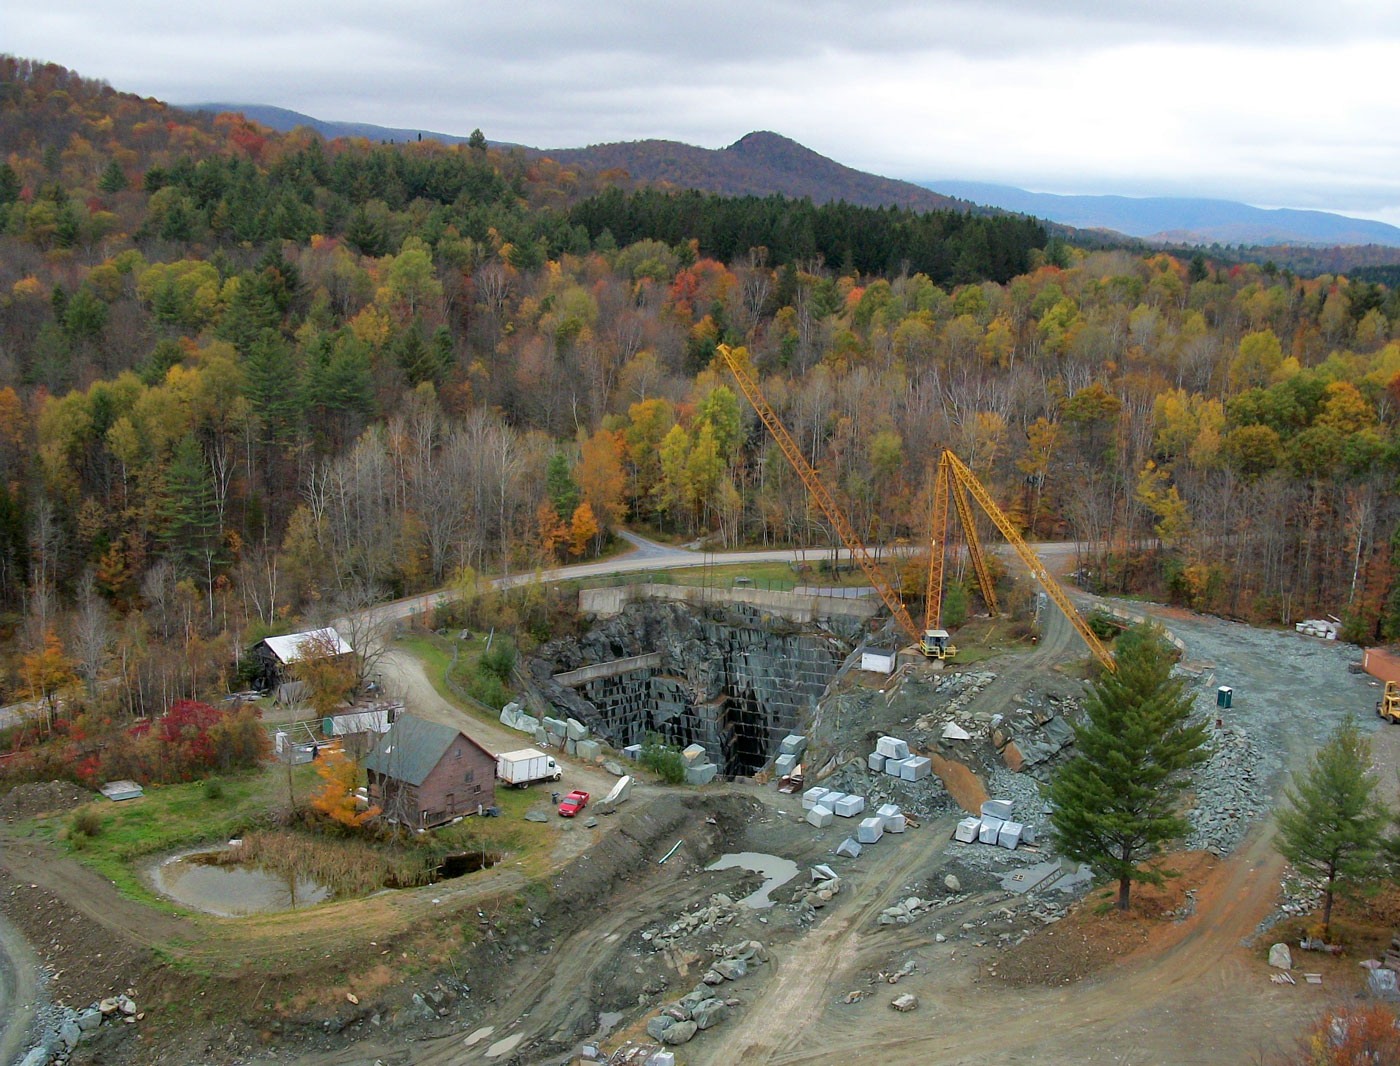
423, 773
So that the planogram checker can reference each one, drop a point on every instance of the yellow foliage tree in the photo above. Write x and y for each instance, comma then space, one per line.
335, 797
582, 528
46, 671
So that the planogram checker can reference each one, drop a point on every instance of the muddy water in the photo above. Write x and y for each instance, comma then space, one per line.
775, 870
232, 891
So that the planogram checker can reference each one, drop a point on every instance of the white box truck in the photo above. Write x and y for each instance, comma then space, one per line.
526, 766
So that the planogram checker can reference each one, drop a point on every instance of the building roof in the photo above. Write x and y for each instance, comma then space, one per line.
290, 648
412, 747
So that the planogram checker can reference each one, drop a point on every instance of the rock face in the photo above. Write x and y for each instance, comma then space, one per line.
732, 682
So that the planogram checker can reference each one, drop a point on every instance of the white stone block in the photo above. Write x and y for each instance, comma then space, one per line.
793, 744
953, 731
1010, 835
895, 823
870, 830
819, 816
849, 847
989, 830
915, 769
967, 830
892, 748
848, 806
694, 754
632, 751
783, 764
876, 762
893, 766
812, 796
997, 808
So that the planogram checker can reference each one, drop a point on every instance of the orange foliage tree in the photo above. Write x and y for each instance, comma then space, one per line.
335, 798
1349, 1036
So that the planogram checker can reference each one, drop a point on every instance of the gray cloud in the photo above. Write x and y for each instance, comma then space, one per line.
1281, 102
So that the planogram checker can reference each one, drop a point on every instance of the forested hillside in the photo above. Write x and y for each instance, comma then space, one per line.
247, 377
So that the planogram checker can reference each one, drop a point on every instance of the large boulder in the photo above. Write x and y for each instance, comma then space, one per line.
1280, 957
679, 1032
710, 1012
658, 1025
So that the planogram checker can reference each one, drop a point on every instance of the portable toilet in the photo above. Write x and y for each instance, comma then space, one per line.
1223, 696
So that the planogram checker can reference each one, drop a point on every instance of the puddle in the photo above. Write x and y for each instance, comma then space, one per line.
504, 1045
232, 891
1041, 878
776, 872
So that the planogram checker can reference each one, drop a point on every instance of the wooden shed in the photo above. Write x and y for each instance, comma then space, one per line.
273, 655
423, 773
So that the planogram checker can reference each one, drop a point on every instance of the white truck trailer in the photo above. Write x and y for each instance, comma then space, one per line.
525, 767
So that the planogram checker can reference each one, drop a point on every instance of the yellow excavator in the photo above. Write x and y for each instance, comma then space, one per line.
1388, 706
953, 481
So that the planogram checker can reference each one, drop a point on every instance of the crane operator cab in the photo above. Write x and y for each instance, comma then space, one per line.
937, 645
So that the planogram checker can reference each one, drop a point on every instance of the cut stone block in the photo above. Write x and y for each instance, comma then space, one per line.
967, 830
876, 762
632, 751
1027, 834
833, 797
990, 829
557, 726
793, 744
819, 816
1010, 835
575, 729
887, 810
662, 1058
892, 748
783, 764
701, 774
893, 766
848, 806
997, 808
915, 769
895, 823
850, 847
812, 796
588, 749
953, 731
570, 746
694, 754
870, 830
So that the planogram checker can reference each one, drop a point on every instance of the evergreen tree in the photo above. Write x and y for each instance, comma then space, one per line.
112, 180
560, 487
1115, 804
1331, 826
9, 184
187, 521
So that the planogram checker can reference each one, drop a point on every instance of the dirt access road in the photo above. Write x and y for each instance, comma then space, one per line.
19, 991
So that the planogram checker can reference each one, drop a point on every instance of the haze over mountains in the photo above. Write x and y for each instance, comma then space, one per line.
762, 163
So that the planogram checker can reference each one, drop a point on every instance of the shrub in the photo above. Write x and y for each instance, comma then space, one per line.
84, 823
663, 759
213, 789
1104, 625
499, 661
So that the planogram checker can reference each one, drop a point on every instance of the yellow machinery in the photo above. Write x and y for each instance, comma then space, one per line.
952, 481
1388, 707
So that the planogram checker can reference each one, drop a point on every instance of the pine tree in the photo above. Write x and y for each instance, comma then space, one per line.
188, 522
560, 487
1332, 824
112, 180
1115, 804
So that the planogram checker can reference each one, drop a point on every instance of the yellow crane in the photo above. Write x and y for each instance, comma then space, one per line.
952, 481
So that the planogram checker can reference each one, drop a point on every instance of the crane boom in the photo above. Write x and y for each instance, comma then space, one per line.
820, 493
965, 478
974, 544
938, 532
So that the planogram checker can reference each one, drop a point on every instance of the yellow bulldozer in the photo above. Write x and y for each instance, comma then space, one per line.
1388, 706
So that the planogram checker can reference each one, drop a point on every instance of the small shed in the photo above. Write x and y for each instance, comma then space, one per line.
274, 654
877, 660
423, 773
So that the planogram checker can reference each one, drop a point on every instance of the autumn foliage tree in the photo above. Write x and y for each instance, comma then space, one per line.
335, 797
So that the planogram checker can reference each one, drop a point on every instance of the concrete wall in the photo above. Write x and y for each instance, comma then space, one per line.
794, 606
597, 671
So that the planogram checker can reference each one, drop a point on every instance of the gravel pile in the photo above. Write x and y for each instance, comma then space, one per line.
1228, 794
39, 797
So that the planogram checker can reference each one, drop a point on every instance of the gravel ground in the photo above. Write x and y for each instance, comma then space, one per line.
1290, 693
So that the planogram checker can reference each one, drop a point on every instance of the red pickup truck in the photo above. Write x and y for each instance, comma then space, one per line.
574, 802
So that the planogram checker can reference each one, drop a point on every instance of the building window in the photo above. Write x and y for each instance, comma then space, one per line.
469, 776
457, 753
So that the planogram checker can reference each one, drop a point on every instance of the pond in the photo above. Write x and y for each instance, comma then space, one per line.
776, 871
231, 891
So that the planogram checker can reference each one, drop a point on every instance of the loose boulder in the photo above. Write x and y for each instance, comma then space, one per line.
679, 1032
1280, 957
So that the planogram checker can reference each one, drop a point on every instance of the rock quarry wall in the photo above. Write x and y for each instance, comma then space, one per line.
732, 680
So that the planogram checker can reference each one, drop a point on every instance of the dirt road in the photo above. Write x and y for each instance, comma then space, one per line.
19, 991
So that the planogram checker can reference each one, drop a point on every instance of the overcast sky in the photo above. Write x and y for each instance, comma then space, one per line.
1279, 103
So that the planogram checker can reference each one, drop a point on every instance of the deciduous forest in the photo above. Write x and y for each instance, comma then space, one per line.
246, 376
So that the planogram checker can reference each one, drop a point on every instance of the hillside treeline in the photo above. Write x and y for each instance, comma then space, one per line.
249, 378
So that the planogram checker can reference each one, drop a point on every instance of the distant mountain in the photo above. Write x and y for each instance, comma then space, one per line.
758, 164
283, 120
1181, 220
